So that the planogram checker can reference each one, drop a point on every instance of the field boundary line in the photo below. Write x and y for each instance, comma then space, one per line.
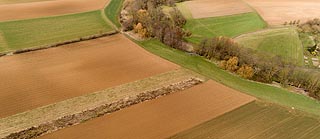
3, 41
105, 18
255, 10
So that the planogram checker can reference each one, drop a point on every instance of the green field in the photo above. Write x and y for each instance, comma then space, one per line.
112, 11
43, 31
256, 121
284, 42
262, 91
229, 26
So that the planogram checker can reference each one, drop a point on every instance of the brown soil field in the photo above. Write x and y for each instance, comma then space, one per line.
48, 8
213, 8
162, 117
19, 1
39, 78
276, 12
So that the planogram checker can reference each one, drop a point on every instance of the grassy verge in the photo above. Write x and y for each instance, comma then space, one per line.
113, 10
229, 26
207, 68
256, 121
284, 42
44, 31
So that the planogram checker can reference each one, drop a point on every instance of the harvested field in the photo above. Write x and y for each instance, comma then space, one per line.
214, 8
39, 78
276, 12
162, 117
256, 121
48, 8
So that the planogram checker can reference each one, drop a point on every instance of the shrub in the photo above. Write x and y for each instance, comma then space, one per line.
246, 71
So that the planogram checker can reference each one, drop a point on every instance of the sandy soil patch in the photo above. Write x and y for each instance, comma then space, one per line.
48, 8
39, 78
162, 117
276, 12
213, 8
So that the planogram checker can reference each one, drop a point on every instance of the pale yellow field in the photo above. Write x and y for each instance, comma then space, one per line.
277, 12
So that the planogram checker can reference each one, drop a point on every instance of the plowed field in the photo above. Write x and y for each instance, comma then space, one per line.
162, 117
48, 8
43, 77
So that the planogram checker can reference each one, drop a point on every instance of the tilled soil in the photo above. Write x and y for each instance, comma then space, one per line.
39, 78
160, 118
48, 8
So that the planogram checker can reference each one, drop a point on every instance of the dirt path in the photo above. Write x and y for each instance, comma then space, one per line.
214, 8
276, 12
48, 8
162, 117
40, 78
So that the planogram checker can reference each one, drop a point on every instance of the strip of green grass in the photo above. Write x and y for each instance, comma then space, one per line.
284, 42
113, 10
207, 68
255, 121
229, 26
43, 31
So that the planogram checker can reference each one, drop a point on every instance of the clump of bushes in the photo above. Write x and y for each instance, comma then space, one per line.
147, 19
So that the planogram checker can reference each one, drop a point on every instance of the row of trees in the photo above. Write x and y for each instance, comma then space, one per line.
258, 66
147, 19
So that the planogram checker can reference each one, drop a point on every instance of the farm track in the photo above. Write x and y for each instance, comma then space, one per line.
160, 118
39, 78
214, 8
48, 8
277, 12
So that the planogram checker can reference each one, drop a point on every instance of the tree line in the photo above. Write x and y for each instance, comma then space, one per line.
257, 66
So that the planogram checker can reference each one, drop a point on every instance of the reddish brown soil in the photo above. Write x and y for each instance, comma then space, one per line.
276, 12
48, 8
162, 117
43, 77
213, 8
